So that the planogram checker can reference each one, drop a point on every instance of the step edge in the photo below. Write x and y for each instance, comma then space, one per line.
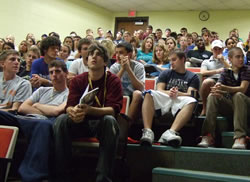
191, 149
199, 174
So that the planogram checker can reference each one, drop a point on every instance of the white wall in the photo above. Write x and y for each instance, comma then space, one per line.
18, 17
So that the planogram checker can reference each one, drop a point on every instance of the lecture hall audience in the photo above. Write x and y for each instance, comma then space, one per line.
223, 67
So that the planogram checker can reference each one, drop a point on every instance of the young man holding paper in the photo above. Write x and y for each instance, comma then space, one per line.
98, 119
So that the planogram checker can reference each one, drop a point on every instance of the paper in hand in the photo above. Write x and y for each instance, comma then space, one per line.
88, 97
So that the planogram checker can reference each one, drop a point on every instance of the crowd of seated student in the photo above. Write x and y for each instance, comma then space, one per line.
174, 80
36, 109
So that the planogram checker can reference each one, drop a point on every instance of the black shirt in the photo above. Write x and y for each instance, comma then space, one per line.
199, 54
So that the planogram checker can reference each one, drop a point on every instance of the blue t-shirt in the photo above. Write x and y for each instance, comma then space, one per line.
182, 81
40, 68
225, 53
147, 57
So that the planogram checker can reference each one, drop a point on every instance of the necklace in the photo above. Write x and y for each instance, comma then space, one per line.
105, 90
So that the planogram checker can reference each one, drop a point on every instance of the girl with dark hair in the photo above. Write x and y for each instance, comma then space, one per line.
230, 43
70, 42
30, 41
64, 54
23, 48
8, 46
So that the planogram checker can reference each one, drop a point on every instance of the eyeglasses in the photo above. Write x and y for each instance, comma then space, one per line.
56, 71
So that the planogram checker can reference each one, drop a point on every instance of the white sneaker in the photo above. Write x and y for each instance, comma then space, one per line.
147, 137
171, 137
240, 143
206, 141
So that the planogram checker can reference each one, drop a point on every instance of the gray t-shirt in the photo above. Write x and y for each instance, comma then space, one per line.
138, 70
49, 96
15, 90
212, 64
77, 67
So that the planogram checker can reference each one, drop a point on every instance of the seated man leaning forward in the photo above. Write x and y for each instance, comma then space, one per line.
98, 119
132, 75
229, 97
173, 93
36, 122
211, 68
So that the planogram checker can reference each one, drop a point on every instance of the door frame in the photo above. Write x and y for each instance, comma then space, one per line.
129, 19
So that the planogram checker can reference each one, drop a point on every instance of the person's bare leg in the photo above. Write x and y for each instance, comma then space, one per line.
183, 117
204, 92
148, 111
135, 106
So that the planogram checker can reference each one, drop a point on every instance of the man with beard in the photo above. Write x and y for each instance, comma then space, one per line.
196, 57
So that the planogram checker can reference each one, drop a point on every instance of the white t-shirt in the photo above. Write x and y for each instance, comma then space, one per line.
78, 67
72, 55
48, 95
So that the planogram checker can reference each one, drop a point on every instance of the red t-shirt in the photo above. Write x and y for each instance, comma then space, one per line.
113, 95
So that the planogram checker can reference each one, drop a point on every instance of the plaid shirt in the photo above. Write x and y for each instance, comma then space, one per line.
227, 77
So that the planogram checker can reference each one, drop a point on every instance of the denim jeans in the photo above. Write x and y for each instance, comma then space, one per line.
35, 165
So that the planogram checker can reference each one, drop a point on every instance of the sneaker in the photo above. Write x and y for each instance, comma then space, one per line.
240, 143
170, 137
206, 141
147, 137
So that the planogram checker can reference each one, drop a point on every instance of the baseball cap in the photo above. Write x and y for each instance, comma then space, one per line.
109, 31
217, 43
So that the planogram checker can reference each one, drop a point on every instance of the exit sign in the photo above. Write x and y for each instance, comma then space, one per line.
132, 13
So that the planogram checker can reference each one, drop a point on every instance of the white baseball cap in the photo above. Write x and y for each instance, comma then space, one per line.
217, 43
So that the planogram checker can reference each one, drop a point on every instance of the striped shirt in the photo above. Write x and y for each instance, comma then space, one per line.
227, 77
